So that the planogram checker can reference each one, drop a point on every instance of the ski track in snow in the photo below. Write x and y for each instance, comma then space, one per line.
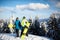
13, 37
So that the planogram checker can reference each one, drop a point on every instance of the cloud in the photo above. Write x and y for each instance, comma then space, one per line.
56, 12
30, 6
33, 6
3, 9
58, 5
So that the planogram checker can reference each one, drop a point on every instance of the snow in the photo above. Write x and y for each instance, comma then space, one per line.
6, 36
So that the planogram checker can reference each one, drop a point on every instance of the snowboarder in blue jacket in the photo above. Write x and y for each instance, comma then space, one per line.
17, 26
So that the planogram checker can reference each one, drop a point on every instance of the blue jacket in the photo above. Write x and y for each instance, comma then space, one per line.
18, 24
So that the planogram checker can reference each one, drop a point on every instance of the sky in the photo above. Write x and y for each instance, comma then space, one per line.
28, 8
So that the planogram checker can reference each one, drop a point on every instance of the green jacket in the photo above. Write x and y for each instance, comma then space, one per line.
23, 23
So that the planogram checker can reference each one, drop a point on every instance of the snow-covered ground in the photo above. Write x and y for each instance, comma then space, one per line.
5, 36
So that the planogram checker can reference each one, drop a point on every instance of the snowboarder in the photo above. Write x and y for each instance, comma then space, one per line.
25, 24
11, 25
37, 26
18, 27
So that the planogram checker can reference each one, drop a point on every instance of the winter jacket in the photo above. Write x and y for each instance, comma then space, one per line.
10, 25
23, 23
18, 24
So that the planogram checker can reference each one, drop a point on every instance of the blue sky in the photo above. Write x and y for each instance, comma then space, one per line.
20, 8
